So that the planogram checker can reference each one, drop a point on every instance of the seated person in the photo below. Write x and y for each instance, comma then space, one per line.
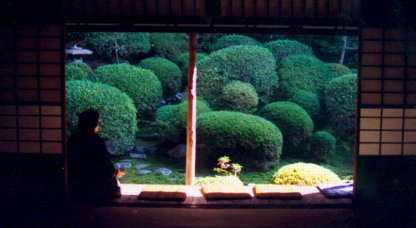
92, 176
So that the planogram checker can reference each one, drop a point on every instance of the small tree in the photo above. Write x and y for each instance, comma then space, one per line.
226, 168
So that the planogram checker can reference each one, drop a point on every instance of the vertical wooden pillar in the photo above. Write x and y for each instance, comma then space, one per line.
191, 117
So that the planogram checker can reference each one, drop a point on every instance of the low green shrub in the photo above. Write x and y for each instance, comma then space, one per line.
240, 97
321, 144
340, 102
307, 100
183, 62
118, 125
169, 45
294, 122
251, 140
250, 64
283, 48
304, 174
85, 67
230, 40
75, 73
141, 85
336, 69
168, 73
219, 181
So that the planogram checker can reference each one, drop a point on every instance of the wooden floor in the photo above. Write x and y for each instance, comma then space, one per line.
312, 198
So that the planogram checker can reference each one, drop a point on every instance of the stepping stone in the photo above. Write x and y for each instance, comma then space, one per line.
163, 171
124, 165
178, 151
143, 171
137, 155
141, 166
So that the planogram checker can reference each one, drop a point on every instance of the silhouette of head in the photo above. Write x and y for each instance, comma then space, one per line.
88, 120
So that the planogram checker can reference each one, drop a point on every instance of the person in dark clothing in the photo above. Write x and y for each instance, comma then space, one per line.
91, 174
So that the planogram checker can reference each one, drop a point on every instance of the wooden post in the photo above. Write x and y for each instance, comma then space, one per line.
191, 117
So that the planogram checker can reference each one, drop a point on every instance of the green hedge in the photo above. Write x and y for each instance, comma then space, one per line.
294, 122
118, 123
304, 174
250, 140
140, 84
183, 62
250, 64
322, 144
169, 45
240, 97
168, 73
75, 73
231, 40
85, 67
283, 48
307, 100
340, 102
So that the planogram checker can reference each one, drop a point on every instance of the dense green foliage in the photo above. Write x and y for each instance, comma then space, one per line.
183, 62
294, 122
168, 73
307, 100
304, 174
230, 40
169, 45
340, 97
85, 67
172, 120
251, 140
219, 181
240, 97
283, 48
75, 73
250, 64
337, 70
118, 123
321, 144
140, 84
106, 44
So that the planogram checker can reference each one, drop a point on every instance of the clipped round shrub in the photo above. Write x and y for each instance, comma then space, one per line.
140, 84
118, 125
230, 40
322, 144
168, 73
183, 62
283, 48
250, 64
294, 122
85, 67
336, 69
250, 140
307, 100
169, 45
75, 73
340, 99
219, 181
240, 97
172, 120
304, 174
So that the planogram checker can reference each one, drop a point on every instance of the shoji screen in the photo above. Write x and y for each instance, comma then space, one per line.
388, 92
32, 89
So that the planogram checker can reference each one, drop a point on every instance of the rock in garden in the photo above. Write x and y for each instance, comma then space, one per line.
174, 179
137, 155
146, 149
124, 165
131, 148
143, 171
163, 171
141, 166
178, 151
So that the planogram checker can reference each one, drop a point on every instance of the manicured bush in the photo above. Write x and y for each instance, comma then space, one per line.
183, 62
128, 44
250, 64
230, 40
283, 48
169, 45
85, 67
240, 97
140, 84
294, 122
304, 174
118, 125
219, 181
168, 73
250, 140
307, 100
337, 70
340, 98
322, 144
75, 73
172, 120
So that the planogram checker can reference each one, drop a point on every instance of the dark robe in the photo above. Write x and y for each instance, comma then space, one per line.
91, 173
